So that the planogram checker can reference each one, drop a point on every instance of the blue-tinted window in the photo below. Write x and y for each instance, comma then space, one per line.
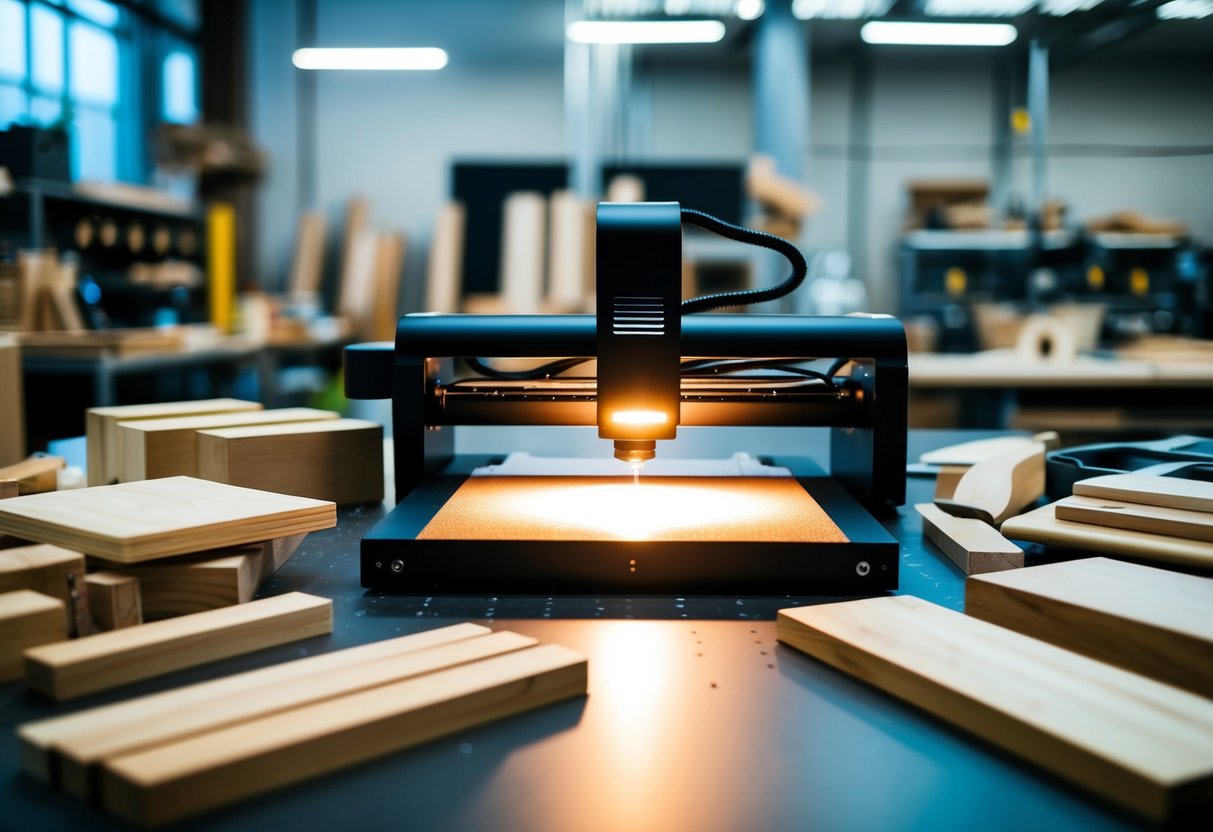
12, 40
45, 111
12, 104
98, 11
94, 62
46, 48
95, 145
180, 88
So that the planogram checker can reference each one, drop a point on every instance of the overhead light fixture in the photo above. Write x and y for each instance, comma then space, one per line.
839, 9
646, 31
1184, 10
938, 34
978, 8
421, 57
749, 9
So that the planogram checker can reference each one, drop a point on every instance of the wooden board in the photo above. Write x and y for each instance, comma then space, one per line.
113, 600
184, 778
947, 479
523, 245
12, 408
9, 488
108, 660
382, 312
1170, 492
220, 578
444, 271
1001, 486
154, 448
1150, 621
339, 460
39, 740
1143, 745
1042, 526
307, 265
570, 252
104, 455
79, 755
357, 216
1116, 514
972, 545
35, 474
971, 453
27, 619
138, 521
40, 567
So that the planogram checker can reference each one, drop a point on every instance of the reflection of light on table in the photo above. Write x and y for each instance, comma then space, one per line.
761, 509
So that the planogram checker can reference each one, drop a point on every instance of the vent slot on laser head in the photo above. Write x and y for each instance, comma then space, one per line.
638, 316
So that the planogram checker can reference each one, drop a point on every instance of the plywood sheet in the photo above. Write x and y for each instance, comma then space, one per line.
1151, 621
1143, 745
138, 521
758, 509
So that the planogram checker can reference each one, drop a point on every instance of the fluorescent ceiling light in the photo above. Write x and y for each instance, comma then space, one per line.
978, 8
839, 9
427, 57
646, 31
1185, 10
938, 34
749, 9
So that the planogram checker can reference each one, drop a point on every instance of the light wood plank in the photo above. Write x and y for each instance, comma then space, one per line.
971, 453
1042, 526
1001, 486
40, 567
523, 244
27, 619
104, 454
113, 600
8, 488
444, 271
381, 313
339, 460
972, 545
108, 660
35, 474
155, 448
1169, 492
1150, 621
138, 521
353, 253
80, 754
570, 252
40, 739
1117, 514
184, 778
12, 405
307, 265
1143, 745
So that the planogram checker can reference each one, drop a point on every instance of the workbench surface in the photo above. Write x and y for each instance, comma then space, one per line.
696, 718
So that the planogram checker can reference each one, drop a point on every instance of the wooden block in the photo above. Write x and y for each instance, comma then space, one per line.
1150, 621
1116, 514
1143, 745
1001, 486
381, 315
1042, 526
8, 488
971, 453
207, 581
78, 755
104, 454
39, 740
357, 215
972, 545
307, 266
444, 271
1170, 492
947, 479
358, 280
139, 521
12, 407
190, 776
40, 567
339, 460
113, 600
570, 252
27, 619
155, 448
523, 236
104, 661
35, 474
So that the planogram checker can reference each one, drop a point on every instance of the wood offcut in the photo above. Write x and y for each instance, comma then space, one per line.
972, 545
27, 619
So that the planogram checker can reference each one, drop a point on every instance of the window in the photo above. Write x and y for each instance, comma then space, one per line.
110, 73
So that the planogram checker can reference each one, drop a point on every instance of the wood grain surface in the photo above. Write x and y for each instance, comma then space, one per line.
1117, 514
27, 619
972, 545
1003, 485
113, 600
41, 567
1169, 492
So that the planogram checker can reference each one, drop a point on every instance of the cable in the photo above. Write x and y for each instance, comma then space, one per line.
744, 297
552, 368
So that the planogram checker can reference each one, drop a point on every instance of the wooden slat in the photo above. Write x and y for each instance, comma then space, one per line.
40, 739
1143, 745
1042, 526
570, 252
1117, 514
27, 619
444, 271
1171, 492
339, 460
104, 661
381, 314
184, 778
1151, 621
139, 521
307, 265
8, 488
1001, 486
104, 454
169, 447
35, 474
12, 406
523, 245
113, 600
972, 545
971, 453
40, 567
80, 754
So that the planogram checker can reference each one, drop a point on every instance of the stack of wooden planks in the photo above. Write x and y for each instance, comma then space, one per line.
1094, 670
160, 758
